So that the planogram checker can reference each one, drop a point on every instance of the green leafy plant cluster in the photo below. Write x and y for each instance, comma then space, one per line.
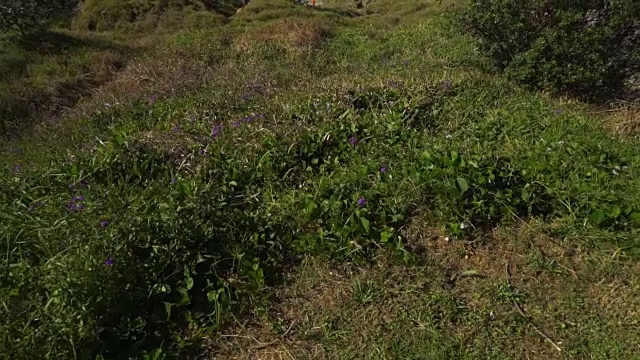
156, 238
584, 48
27, 16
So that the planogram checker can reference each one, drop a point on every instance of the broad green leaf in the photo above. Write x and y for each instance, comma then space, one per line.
597, 216
167, 308
213, 296
454, 156
614, 212
185, 300
365, 224
462, 185
188, 282
385, 236
310, 206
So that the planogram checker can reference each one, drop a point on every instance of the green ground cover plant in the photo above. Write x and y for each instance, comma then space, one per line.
315, 183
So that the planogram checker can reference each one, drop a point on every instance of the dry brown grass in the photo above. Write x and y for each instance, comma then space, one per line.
297, 34
105, 64
477, 275
319, 314
624, 120
313, 292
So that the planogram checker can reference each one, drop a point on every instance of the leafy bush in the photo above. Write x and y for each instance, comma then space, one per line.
104, 15
584, 48
32, 15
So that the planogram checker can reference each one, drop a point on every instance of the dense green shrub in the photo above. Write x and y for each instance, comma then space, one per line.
32, 15
105, 15
584, 48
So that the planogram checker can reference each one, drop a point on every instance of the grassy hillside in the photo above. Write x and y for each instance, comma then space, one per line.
300, 183
44, 75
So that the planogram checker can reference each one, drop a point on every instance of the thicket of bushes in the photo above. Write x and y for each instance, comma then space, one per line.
588, 49
32, 15
104, 15
27, 16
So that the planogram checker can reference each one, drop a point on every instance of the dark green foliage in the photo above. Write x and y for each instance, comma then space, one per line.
584, 48
28, 16
105, 15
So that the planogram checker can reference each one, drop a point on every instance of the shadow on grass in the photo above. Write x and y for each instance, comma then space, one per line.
54, 43
340, 12
225, 7
75, 66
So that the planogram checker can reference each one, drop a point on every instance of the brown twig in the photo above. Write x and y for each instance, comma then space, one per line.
261, 344
264, 345
527, 317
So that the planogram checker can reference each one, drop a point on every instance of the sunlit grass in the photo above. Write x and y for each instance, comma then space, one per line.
170, 204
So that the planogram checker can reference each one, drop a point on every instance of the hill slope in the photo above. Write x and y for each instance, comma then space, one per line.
328, 183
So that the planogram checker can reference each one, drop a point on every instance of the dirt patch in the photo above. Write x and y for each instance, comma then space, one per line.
310, 295
476, 276
318, 288
456, 297
255, 342
618, 296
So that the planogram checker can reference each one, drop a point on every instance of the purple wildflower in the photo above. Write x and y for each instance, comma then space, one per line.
557, 111
76, 204
175, 128
353, 140
216, 130
236, 123
109, 262
153, 99
104, 223
362, 202
405, 62
201, 152
174, 180
249, 118
17, 168
446, 85
383, 170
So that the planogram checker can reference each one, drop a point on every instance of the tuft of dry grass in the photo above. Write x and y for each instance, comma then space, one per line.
105, 64
624, 120
457, 290
297, 34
